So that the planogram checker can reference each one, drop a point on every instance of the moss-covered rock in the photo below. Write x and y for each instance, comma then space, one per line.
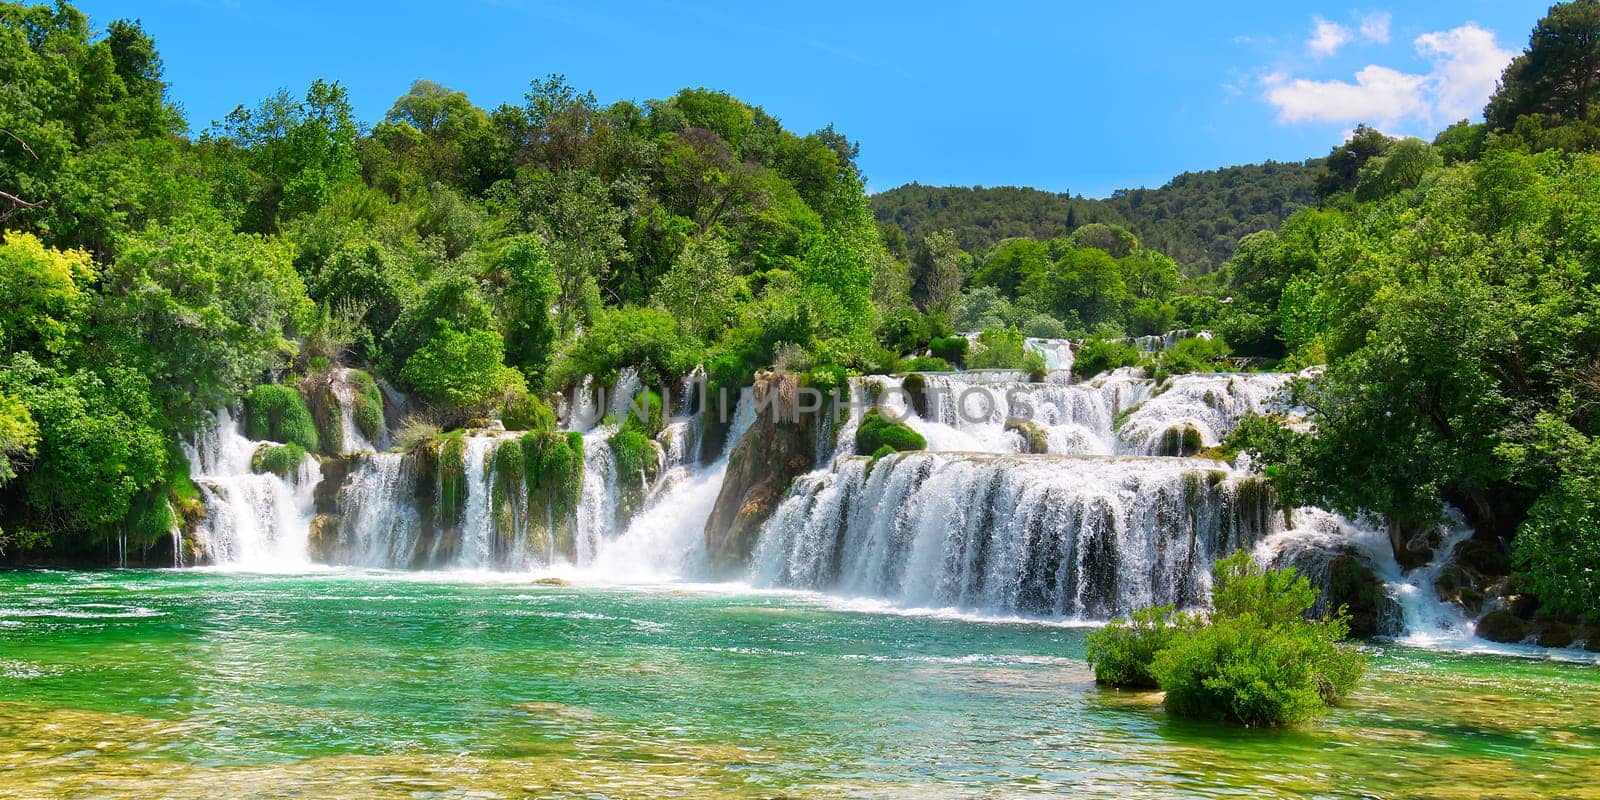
638, 463
277, 413
1035, 439
916, 389
1502, 626
368, 404
1180, 440
451, 478
1485, 557
322, 542
1353, 584
553, 473
279, 459
877, 431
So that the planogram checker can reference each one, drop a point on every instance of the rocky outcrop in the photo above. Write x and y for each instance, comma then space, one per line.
1034, 438
1502, 626
1353, 584
775, 450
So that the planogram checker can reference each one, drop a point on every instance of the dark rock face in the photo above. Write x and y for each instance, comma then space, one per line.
1555, 634
1352, 584
1502, 626
775, 450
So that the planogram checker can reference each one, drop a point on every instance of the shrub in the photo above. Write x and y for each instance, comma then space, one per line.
998, 348
925, 364
952, 349
1257, 660
1044, 326
1194, 354
527, 413
416, 433
275, 412
1103, 355
647, 339
1123, 651
635, 453
877, 432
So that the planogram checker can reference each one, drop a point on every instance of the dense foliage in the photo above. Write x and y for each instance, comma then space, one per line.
476, 260
1253, 659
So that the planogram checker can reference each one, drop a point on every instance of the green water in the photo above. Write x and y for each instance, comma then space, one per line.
192, 684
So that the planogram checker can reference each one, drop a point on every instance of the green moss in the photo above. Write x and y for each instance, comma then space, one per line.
916, 388
646, 415
368, 410
507, 489
1122, 416
877, 432
279, 459
451, 473
1182, 440
275, 412
528, 413
925, 364
634, 451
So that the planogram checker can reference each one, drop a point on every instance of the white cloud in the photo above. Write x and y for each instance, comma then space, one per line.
1466, 66
1327, 37
1375, 27
1466, 62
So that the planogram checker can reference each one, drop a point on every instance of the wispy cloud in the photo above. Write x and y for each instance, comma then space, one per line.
1466, 62
1375, 27
1326, 37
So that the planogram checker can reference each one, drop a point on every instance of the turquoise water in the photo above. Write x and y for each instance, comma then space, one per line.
200, 684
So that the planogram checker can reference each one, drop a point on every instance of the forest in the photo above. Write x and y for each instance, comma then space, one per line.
483, 261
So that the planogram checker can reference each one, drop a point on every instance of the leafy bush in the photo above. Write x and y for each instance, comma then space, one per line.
1044, 326
1256, 660
275, 412
1103, 355
527, 413
1194, 354
949, 348
635, 452
876, 432
1123, 651
1259, 661
647, 339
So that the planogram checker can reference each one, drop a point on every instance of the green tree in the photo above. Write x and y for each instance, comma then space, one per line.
529, 295
1558, 75
699, 289
937, 271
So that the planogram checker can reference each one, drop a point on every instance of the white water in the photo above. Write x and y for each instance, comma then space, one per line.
355, 440
1081, 537
977, 526
253, 521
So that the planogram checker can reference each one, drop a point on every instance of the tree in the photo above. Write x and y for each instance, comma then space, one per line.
1400, 168
301, 150
458, 369
529, 294
44, 295
1341, 171
583, 229
1012, 263
1558, 75
699, 289
203, 313
19, 437
937, 271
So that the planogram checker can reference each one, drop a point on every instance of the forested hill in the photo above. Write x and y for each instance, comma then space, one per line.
1197, 217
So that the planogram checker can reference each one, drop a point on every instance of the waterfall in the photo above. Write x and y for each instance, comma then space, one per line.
1057, 353
257, 521
378, 512
1209, 404
354, 439
1059, 536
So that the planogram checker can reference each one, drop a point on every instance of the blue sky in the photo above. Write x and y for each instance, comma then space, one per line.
1081, 97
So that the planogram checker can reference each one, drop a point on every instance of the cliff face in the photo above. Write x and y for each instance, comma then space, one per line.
776, 449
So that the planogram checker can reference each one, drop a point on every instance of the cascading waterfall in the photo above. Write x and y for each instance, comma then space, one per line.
253, 520
1209, 404
1062, 499
1076, 537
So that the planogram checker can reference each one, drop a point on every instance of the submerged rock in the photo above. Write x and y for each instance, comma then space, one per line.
1555, 634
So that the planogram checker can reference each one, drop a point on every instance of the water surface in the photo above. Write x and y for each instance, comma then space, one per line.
203, 684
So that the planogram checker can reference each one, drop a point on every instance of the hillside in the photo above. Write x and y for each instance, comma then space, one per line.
1197, 217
